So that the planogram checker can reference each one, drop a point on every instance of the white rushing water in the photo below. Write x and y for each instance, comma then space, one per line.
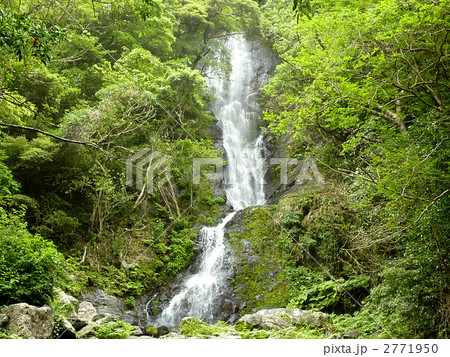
237, 114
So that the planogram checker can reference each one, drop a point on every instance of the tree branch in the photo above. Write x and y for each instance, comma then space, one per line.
84, 143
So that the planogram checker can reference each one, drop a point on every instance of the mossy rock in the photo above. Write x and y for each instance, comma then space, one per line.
259, 280
193, 327
151, 330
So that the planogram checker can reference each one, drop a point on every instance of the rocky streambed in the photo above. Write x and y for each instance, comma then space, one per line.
104, 317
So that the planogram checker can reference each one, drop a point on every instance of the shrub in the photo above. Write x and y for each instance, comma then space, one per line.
130, 303
30, 267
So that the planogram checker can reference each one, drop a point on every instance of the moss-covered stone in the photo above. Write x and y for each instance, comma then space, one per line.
259, 280
193, 327
151, 330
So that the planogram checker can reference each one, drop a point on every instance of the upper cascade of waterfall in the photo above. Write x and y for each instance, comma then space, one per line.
238, 114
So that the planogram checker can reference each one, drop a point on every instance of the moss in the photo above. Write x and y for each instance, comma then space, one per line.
114, 330
243, 326
4, 335
259, 282
247, 331
193, 327
256, 334
151, 330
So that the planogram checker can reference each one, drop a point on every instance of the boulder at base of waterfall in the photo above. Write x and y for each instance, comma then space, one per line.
86, 311
29, 321
88, 331
105, 303
137, 332
151, 330
162, 331
279, 319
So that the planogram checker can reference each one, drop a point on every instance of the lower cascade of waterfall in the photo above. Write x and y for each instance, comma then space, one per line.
201, 291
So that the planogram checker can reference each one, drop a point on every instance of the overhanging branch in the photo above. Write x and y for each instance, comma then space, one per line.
36, 130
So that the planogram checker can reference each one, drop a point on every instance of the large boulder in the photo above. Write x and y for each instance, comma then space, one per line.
28, 321
86, 311
279, 319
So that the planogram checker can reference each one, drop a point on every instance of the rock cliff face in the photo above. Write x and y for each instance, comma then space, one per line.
258, 280
111, 305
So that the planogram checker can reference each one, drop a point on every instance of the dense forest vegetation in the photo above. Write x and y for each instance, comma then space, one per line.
362, 87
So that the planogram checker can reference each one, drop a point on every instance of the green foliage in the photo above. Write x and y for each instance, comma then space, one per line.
114, 330
8, 335
8, 186
193, 327
364, 322
31, 267
406, 301
302, 8
202, 22
314, 291
367, 98
289, 333
24, 37
59, 227
130, 302
151, 330
59, 327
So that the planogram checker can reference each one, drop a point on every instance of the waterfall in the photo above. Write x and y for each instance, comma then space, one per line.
237, 112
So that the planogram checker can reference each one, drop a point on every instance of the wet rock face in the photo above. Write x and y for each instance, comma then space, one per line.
265, 66
108, 304
258, 265
278, 148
